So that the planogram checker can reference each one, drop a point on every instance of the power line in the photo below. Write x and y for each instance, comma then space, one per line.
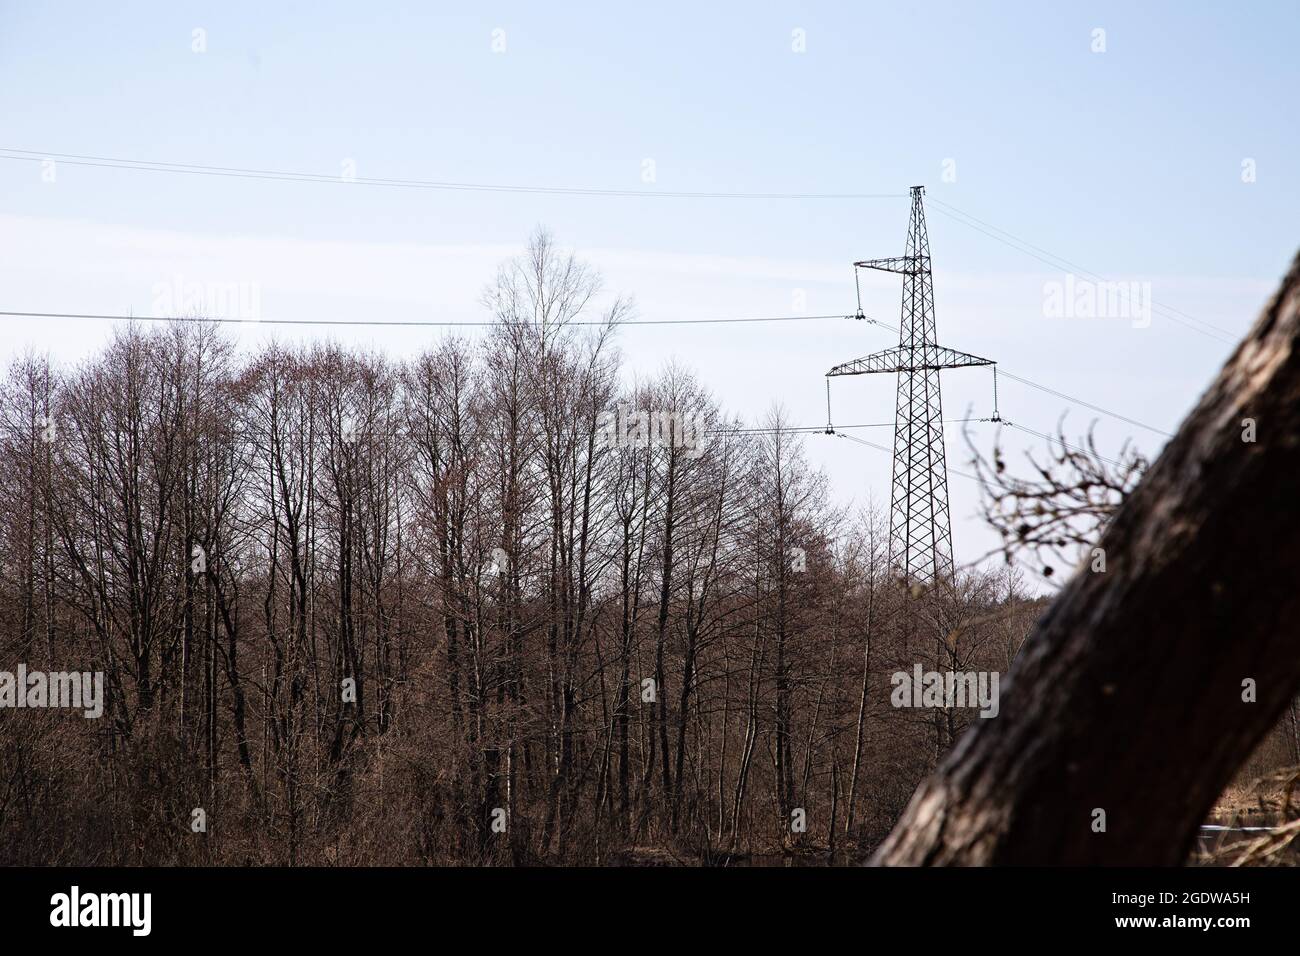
972, 222
419, 323
1065, 444
292, 432
397, 432
822, 429
952, 212
477, 324
1058, 394
1079, 401
890, 451
1210, 331
195, 169
1067, 262
221, 320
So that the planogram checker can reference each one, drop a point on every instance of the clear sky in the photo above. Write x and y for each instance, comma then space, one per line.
1129, 161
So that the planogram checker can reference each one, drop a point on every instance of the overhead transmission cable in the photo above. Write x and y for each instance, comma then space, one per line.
1062, 259
197, 169
414, 323
890, 451
972, 222
1051, 391
420, 323
1020, 245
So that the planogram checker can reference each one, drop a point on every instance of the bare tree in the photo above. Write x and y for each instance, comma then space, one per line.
1055, 516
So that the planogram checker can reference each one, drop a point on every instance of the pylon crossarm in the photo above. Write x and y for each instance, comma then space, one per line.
910, 359
908, 265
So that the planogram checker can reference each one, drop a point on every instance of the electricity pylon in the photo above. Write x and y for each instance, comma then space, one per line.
920, 532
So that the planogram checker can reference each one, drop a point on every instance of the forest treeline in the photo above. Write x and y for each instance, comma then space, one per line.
364, 611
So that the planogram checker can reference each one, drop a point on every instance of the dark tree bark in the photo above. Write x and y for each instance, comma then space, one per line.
1128, 695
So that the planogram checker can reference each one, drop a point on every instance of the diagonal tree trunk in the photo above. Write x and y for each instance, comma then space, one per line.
1128, 695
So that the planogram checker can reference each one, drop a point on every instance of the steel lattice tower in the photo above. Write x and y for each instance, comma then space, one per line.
920, 533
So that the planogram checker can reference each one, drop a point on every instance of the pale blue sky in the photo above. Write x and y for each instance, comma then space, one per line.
1127, 162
